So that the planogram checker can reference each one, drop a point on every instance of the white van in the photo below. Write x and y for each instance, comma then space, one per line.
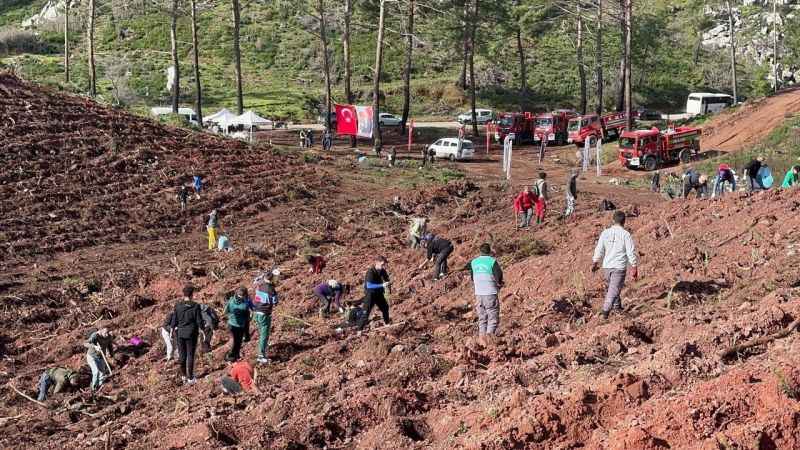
707, 103
448, 148
186, 113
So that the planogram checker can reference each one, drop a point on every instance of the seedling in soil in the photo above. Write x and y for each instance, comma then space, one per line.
788, 388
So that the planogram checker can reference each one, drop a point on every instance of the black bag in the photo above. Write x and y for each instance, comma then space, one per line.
606, 205
353, 315
210, 317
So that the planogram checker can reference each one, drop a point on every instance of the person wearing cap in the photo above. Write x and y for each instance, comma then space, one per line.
440, 248
487, 278
238, 311
724, 175
791, 178
187, 321
376, 282
694, 180
327, 293
213, 227
266, 299
100, 346
57, 379
751, 173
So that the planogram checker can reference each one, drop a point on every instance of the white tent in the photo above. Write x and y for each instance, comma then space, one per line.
221, 117
250, 119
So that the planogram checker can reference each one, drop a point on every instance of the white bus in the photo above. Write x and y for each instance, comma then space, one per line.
706, 103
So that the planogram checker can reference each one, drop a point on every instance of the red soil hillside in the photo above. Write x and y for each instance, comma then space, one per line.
713, 274
750, 123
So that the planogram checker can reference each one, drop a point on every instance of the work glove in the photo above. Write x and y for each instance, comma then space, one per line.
594, 267
387, 284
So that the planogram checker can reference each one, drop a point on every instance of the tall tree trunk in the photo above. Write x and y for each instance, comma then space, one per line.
348, 12
92, 71
66, 40
323, 37
407, 71
465, 45
523, 72
473, 26
622, 62
628, 28
733, 51
775, 60
598, 56
173, 37
376, 88
579, 58
196, 60
237, 58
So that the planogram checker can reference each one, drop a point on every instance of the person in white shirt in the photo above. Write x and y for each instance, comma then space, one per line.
617, 251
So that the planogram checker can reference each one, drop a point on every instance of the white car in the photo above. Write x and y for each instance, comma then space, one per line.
449, 148
482, 116
389, 120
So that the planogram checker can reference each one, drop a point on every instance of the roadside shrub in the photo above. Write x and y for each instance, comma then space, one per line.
13, 41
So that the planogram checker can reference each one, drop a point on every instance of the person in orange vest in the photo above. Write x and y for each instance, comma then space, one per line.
523, 206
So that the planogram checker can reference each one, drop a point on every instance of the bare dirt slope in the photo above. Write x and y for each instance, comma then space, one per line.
713, 274
750, 123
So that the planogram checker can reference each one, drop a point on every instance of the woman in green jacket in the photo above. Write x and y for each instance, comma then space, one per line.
238, 311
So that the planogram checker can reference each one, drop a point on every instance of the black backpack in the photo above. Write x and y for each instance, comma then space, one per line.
606, 205
210, 316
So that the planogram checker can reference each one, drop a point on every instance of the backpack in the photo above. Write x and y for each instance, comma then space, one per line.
210, 317
606, 205
353, 315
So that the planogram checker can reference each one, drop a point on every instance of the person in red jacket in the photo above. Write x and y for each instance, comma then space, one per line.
241, 378
316, 263
523, 207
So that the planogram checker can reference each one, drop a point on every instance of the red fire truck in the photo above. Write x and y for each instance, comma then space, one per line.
584, 127
521, 124
651, 148
554, 126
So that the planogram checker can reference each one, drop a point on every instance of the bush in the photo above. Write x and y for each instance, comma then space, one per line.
13, 41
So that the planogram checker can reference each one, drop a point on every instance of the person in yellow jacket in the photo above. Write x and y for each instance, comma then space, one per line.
213, 228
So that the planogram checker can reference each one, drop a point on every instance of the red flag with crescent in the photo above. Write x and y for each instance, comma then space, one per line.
346, 122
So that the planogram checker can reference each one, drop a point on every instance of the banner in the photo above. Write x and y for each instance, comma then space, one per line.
365, 118
346, 120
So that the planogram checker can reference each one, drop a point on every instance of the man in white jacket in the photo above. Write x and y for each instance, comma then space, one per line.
617, 251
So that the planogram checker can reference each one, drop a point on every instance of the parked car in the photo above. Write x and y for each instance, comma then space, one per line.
321, 119
643, 113
448, 148
482, 116
389, 120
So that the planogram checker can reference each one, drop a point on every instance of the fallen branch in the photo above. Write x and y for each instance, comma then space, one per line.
286, 316
3, 420
732, 351
29, 398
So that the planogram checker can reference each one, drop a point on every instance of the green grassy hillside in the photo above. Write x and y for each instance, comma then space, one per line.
282, 58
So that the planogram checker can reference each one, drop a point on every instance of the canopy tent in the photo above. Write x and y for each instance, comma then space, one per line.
250, 119
221, 117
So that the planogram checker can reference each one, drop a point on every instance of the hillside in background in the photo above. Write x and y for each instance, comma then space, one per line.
678, 46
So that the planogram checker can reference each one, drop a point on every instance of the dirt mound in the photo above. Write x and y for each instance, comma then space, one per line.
713, 274
750, 123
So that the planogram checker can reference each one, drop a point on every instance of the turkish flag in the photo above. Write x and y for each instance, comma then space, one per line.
346, 120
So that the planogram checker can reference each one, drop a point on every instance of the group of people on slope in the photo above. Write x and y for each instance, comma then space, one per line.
693, 180
533, 200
